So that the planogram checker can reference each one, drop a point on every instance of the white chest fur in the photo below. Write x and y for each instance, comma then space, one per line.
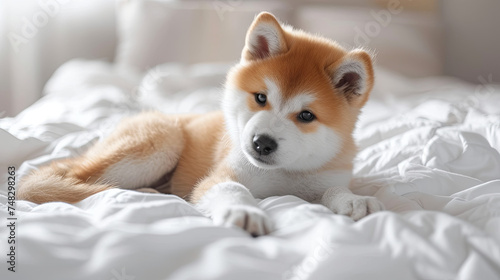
309, 186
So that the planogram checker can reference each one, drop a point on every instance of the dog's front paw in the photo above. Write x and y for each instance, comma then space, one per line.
355, 206
251, 219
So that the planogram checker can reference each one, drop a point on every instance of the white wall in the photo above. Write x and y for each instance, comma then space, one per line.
472, 39
37, 36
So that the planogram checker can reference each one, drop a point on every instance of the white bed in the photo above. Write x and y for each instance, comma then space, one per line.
428, 149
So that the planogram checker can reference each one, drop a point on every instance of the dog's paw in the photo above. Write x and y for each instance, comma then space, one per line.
251, 219
355, 206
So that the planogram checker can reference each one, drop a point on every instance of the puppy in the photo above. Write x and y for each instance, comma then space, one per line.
288, 114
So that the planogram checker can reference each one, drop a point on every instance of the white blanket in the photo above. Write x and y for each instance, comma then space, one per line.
429, 150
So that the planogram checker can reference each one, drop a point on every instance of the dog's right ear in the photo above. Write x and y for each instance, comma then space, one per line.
265, 38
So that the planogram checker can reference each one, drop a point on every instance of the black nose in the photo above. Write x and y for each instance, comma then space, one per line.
264, 144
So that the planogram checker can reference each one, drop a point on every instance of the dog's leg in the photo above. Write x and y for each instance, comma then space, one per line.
230, 203
342, 201
140, 151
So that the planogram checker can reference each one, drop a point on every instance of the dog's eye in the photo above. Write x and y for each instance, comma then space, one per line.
306, 116
260, 99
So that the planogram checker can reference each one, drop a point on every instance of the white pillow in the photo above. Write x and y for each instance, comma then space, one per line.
175, 88
153, 32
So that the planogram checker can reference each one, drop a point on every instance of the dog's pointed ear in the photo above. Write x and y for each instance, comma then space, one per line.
352, 76
265, 38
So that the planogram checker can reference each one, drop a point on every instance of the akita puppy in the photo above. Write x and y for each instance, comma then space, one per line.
288, 114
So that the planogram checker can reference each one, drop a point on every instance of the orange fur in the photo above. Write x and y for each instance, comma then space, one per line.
200, 153
51, 184
222, 173
136, 137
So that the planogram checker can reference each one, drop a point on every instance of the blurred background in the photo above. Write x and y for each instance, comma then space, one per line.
423, 38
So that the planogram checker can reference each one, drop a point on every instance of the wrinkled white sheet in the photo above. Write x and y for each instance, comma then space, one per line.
429, 149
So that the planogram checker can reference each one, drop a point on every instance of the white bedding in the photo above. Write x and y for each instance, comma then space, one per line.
429, 150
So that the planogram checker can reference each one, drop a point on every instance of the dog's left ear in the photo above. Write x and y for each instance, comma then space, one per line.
265, 38
352, 76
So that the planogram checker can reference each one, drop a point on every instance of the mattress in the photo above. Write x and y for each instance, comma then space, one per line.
428, 149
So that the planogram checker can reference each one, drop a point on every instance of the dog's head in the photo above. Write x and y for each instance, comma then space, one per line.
294, 98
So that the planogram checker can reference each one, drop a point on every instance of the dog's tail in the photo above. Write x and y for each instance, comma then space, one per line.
56, 182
